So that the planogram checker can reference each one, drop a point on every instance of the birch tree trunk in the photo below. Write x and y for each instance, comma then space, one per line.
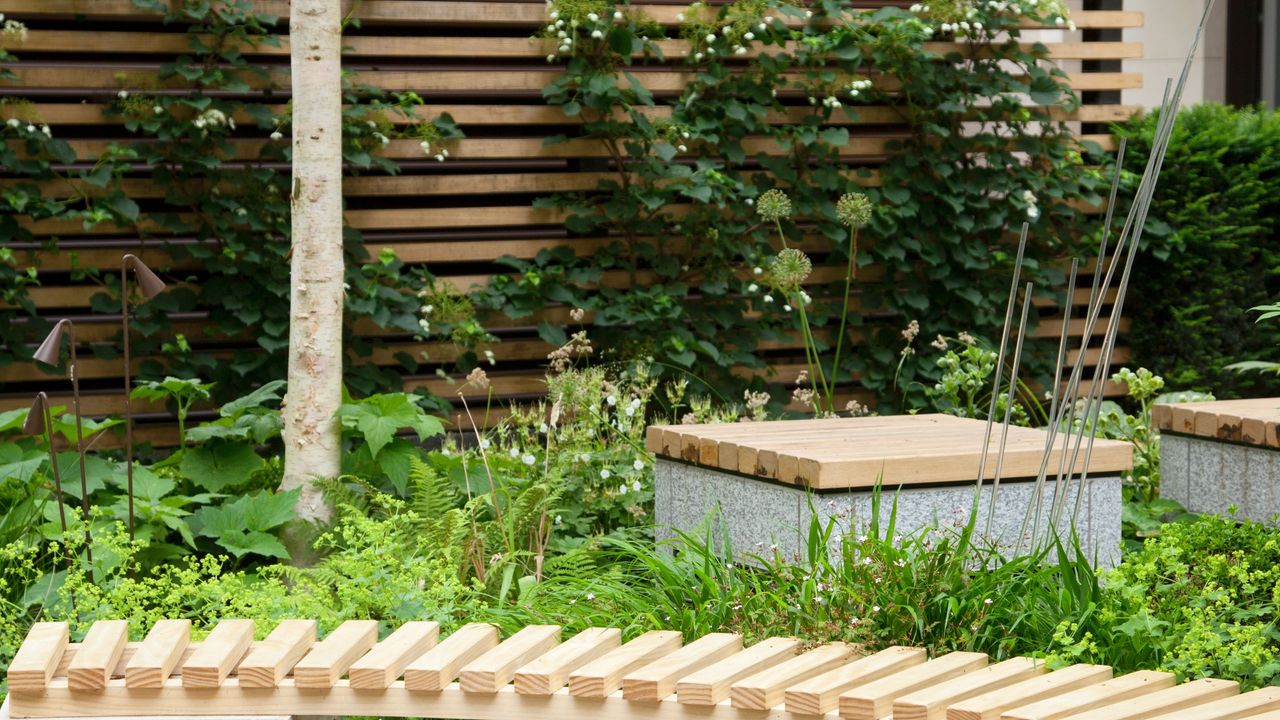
311, 430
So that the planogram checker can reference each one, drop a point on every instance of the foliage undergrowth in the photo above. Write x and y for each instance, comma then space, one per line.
1209, 249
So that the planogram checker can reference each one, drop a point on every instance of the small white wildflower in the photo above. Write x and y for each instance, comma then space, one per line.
31, 128
711, 37
157, 110
617, 15
638, 465
986, 601
739, 50
787, 308
445, 152
761, 27
682, 148
679, 17
753, 287
14, 122
808, 14
591, 596
875, 608
47, 132
593, 17
123, 94
528, 459
555, 14
551, 58
598, 35
768, 298
605, 474
757, 271
697, 56
584, 457
515, 452
558, 520
748, 35
1033, 213
630, 411
622, 489
612, 400
439, 157
485, 443
543, 428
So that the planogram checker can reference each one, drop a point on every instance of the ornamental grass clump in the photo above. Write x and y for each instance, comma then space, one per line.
867, 585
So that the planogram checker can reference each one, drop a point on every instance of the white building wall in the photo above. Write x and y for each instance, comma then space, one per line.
1166, 36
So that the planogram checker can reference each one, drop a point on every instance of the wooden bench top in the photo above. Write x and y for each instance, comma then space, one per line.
859, 452
1253, 422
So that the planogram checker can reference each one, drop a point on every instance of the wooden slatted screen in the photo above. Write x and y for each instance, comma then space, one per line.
470, 59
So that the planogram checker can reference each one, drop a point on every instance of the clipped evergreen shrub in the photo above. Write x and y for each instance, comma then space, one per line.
1210, 250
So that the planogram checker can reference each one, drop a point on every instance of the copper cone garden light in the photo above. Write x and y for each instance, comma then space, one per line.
40, 422
50, 353
150, 285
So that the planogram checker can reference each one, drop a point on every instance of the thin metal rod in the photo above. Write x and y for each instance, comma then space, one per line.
995, 387
53, 463
84, 482
1143, 209
1008, 407
128, 386
1067, 409
1052, 431
1095, 309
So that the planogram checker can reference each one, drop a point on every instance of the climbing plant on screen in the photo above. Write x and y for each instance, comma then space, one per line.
778, 95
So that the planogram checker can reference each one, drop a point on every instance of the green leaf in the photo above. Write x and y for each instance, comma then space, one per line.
219, 464
377, 418
267, 393
126, 208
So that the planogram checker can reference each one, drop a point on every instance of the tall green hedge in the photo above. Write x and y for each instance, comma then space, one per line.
1211, 249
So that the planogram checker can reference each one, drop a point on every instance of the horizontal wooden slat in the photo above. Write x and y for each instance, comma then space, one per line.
460, 47
453, 13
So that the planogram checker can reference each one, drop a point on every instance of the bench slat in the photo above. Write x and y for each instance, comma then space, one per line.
269, 662
874, 700
99, 652
990, 705
604, 676
491, 671
213, 660
330, 659
385, 662
549, 673
434, 670
158, 655
821, 695
711, 684
764, 690
37, 659
657, 680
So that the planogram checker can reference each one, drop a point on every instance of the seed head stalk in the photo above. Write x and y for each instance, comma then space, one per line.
844, 309
814, 363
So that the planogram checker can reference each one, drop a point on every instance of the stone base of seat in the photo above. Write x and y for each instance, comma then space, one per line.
1217, 477
762, 517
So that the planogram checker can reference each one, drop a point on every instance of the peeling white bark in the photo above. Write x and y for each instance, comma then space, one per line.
312, 436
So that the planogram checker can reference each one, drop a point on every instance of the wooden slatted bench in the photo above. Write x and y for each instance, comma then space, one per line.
538, 674
1223, 454
765, 480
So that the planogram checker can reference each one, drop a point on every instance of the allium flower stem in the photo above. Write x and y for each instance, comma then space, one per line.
844, 311
810, 347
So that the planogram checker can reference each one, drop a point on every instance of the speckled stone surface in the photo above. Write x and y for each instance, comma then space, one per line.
762, 517
1211, 476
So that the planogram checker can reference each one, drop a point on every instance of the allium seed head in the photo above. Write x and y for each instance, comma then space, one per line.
773, 205
854, 210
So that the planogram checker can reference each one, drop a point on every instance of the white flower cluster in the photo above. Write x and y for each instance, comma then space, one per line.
13, 29
857, 87
15, 123
1054, 10
566, 32
1033, 210
740, 44
213, 118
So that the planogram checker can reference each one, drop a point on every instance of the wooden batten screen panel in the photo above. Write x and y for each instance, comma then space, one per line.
470, 59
